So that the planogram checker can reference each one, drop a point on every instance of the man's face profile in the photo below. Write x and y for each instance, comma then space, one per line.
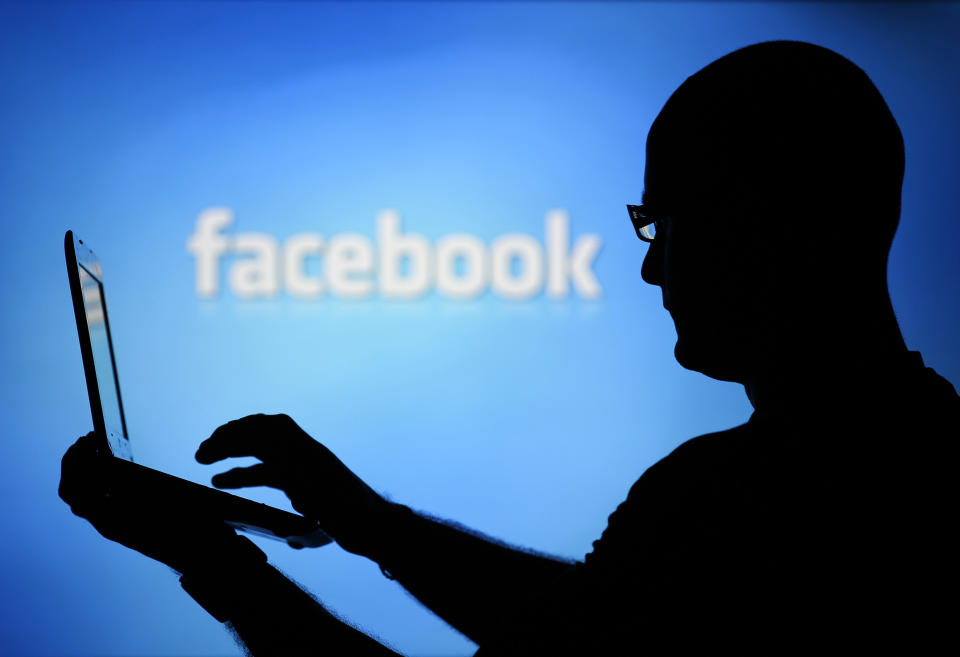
744, 156
702, 260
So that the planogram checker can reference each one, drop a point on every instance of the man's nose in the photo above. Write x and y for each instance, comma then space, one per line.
652, 269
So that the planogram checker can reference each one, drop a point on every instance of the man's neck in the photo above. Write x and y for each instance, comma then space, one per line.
827, 370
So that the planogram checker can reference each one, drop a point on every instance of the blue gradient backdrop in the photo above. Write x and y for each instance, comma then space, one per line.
526, 420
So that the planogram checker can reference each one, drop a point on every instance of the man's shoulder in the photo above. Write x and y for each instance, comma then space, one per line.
700, 455
715, 444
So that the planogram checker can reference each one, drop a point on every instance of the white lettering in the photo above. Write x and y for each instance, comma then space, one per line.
527, 253
349, 262
295, 253
396, 248
578, 266
254, 276
472, 253
398, 265
207, 245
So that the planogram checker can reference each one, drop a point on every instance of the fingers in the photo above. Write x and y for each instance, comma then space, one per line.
263, 436
84, 448
260, 474
81, 477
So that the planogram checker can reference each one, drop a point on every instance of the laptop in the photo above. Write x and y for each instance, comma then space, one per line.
110, 427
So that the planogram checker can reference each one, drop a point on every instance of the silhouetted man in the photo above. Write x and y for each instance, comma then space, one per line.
772, 194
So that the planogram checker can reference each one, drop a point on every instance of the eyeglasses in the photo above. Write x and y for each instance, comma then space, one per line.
646, 225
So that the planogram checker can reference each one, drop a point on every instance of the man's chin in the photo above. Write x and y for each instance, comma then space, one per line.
713, 361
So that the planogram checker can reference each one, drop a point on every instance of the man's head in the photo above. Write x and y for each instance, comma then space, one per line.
779, 166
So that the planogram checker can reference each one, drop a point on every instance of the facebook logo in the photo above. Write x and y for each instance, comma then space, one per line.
396, 265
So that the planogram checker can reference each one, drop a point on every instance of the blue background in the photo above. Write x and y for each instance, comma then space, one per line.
526, 420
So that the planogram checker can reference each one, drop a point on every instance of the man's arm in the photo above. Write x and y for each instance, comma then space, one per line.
271, 615
226, 573
472, 582
476, 584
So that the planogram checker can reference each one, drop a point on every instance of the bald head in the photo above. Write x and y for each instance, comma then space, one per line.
780, 168
793, 131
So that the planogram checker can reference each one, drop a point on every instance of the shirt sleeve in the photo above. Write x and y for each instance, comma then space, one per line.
607, 603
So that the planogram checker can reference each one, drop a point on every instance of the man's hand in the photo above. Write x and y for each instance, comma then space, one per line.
145, 521
318, 484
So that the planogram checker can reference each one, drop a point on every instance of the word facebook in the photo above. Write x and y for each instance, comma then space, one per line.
398, 266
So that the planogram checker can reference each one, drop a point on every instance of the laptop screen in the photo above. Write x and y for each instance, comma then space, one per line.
91, 289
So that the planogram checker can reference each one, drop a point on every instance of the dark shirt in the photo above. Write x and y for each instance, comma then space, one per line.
822, 524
